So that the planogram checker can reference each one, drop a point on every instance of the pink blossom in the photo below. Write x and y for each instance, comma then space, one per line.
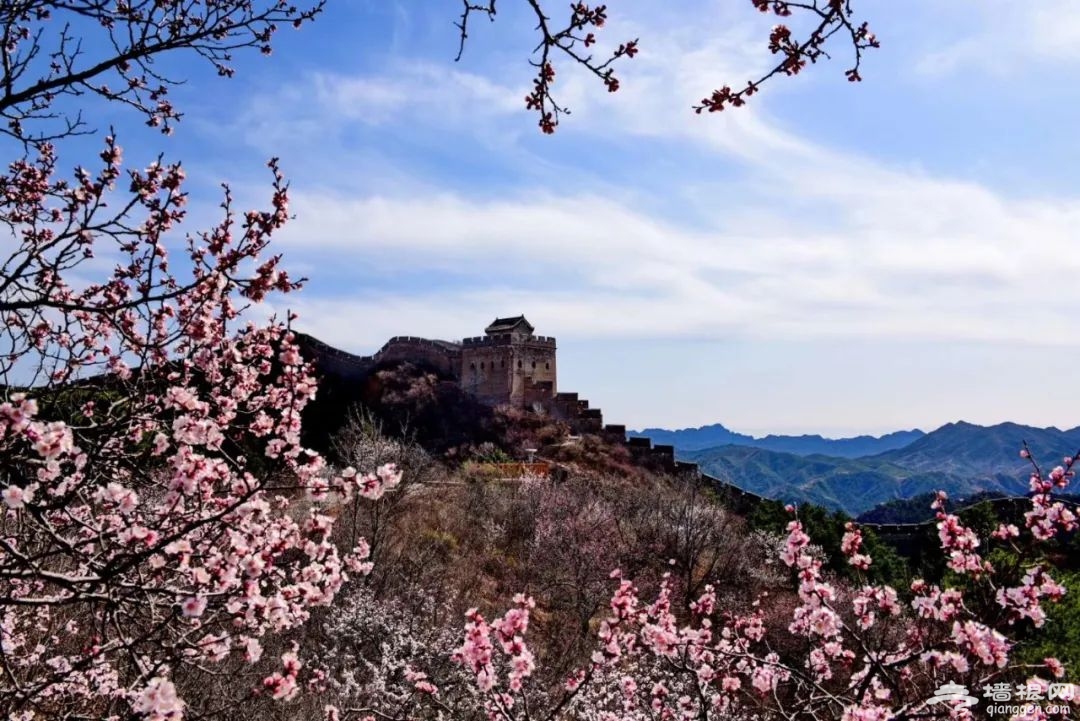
280, 686
158, 701
574, 682
290, 357
1003, 532
15, 497
420, 681
52, 440
193, 606
123, 499
989, 646
252, 650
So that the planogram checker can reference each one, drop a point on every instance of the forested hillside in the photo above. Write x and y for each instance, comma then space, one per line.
987, 462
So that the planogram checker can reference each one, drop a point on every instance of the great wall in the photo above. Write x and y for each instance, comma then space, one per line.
509, 365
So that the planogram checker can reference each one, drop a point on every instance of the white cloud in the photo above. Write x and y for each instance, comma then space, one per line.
379, 99
1004, 37
319, 106
816, 243
966, 267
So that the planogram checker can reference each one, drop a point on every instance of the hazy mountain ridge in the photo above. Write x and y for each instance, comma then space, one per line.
962, 459
965, 448
696, 439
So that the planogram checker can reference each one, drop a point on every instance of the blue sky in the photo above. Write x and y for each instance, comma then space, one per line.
833, 258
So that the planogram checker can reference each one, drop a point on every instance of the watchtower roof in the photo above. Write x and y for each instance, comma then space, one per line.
517, 324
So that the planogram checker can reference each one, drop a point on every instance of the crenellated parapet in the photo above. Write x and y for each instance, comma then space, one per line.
644, 452
507, 339
510, 365
329, 359
441, 356
441, 346
507, 366
401, 349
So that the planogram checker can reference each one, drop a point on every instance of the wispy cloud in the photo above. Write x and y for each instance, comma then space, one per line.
810, 242
1003, 37
961, 265
319, 106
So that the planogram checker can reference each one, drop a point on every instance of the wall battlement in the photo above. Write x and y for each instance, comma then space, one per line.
437, 346
506, 339
420, 341
331, 359
508, 366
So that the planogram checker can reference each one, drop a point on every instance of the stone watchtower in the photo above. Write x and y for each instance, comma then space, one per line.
508, 364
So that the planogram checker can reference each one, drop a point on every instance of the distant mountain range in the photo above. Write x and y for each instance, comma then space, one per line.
962, 459
696, 439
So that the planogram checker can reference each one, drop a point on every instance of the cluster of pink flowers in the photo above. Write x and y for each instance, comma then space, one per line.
870, 600
959, 542
282, 684
1025, 600
867, 654
151, 502
158, 701
420, 681
370, 486
1047, 517
990, 647
851, 544
477, 653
